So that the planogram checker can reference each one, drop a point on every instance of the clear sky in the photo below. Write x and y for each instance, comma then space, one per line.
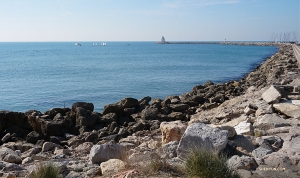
147, 20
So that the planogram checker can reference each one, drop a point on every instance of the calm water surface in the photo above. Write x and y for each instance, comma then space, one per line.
42, 76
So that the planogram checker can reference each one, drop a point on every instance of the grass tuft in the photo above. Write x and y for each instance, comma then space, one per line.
45, 171
207, 164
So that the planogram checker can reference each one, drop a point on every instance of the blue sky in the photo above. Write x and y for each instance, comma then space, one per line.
147, 20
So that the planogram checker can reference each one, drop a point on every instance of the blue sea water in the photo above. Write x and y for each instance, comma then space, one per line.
45, 75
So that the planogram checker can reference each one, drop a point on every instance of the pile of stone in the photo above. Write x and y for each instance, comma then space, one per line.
255, 121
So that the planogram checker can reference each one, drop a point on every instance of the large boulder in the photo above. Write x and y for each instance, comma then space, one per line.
85, 117
10, 156
105, 152
149, 113
200, 136
172, 131
129, 103
271, 95
55, 127
270, 121
84, 105
288, 109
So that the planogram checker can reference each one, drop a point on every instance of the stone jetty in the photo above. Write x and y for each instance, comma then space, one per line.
255, 121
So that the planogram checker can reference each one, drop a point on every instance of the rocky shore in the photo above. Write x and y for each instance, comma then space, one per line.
255, 121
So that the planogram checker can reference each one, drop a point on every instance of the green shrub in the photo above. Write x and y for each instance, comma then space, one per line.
207, 164
45, 171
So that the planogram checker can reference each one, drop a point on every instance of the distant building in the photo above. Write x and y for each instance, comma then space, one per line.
163, 39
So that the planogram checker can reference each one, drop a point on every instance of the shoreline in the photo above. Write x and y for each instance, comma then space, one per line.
69, 135
224, 43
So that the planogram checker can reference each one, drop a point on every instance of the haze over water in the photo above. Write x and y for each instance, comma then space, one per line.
42, 76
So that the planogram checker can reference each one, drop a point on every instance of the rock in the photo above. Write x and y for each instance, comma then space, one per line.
145, 100
231, 131
30, 152
169, 150
84, 105
149, 113
104, 152
250, 109
49, 146
58, 151
175, 116
260, 152
129, 103
27, 160
84, 147
244, 143
201, 136
274, 141
271, 95
270, 121
86, 117
55, 127
112, 166
172, 131
75, 141
243, 162
179, 107
288, 109
6, 137
244, 128
112, 108
10, 156
33, 137
108, 118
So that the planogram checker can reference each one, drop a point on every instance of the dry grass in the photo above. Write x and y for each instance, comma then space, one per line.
207, 164
45, 171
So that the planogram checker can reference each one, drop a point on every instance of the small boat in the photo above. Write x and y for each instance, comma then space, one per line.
103, 44
77, 44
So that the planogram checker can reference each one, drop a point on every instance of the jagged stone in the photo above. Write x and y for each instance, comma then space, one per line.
172, 131
272, 95
201, 136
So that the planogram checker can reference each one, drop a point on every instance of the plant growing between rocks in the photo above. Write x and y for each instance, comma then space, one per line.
207, 164
45, 171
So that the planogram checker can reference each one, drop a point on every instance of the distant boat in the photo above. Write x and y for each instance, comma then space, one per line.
77, 44
95, 44
103, 44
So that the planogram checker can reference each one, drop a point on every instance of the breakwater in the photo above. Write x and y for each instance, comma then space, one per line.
78, 139
222, 42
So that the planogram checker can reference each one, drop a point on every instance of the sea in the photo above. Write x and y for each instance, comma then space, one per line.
45, 75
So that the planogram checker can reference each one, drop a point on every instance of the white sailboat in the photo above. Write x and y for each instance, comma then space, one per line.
103, 44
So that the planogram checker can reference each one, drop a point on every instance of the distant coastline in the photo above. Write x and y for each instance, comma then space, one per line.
221, 42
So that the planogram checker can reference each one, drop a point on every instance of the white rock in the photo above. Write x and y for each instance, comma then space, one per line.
271, 95
245, 128
104, 152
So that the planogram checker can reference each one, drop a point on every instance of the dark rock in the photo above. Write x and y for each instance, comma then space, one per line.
33, 137
179, 107
86, 117
84, 105
113, 108
112, 126
91, 137
166, 103
176, 116
129, 111
56, 127
124, 120
145, 100
129, 103
230, 149
83, 129
149, 113
108, 118
208, 83
53, 112
198, 87
54, 139
164, 110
